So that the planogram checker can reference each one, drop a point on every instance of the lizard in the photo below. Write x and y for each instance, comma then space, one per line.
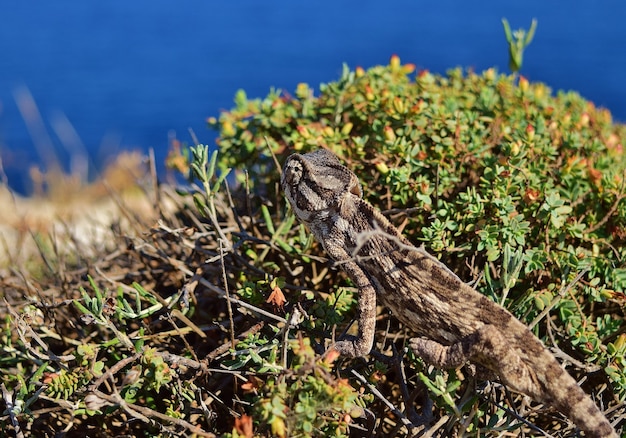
456, 324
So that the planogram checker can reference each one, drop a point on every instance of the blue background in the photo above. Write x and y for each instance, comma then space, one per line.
131, 74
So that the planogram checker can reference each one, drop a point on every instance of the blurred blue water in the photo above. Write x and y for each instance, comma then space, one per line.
126, 74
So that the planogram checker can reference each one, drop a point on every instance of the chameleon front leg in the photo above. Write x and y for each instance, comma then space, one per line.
486, 347
360, 345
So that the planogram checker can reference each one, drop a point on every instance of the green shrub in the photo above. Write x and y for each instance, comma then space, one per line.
514, 188
214, 321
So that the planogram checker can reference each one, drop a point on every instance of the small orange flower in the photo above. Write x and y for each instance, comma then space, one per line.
243, 426
277, 298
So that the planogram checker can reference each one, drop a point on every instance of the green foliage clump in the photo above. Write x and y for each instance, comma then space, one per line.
64, 383
73, 380
309, 400
515, 188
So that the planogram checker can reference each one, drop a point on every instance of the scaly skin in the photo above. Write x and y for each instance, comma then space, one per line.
456, 323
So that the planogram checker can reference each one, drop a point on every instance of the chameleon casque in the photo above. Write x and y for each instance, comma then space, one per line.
455, 323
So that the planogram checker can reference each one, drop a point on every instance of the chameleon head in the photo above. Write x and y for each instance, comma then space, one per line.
316, 183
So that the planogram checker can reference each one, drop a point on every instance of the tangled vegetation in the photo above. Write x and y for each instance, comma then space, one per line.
212, 320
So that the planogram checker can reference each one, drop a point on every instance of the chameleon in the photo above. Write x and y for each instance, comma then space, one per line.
455, 323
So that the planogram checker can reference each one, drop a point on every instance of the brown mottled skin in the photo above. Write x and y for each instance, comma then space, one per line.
456, 324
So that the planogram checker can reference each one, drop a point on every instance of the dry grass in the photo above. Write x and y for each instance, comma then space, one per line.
72, 215
152, 250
